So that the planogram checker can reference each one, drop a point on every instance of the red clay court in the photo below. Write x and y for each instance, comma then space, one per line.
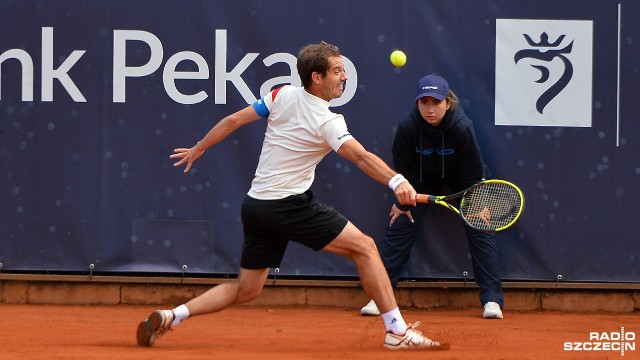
299, 332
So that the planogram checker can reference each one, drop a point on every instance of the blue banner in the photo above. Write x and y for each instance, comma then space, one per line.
95, 95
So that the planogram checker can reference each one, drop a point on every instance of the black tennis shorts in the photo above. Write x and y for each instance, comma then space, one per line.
269, 225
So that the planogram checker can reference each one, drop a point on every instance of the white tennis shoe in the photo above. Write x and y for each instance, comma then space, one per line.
371, 309
153, 327
412, 339
492, 311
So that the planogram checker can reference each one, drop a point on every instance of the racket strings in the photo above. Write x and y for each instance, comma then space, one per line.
491, 206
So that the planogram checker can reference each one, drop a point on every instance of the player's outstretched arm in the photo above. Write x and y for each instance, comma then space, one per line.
220, 131
377, 169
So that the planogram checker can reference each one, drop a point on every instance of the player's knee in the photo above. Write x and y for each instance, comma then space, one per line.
368, 246
247, 294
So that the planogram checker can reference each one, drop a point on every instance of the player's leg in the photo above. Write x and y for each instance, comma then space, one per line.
245, 288
260, 251
361, 248
395, 250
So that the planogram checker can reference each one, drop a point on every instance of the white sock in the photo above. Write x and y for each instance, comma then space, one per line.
394, 322
180, 313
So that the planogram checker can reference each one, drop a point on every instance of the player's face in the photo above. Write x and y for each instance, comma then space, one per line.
432, 109
333, 84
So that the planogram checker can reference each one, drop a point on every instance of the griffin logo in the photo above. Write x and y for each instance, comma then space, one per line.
544, 72
547, 52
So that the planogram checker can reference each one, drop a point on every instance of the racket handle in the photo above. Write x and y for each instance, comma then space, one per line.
422, 198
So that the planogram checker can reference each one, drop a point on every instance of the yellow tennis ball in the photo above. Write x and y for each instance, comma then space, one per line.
398, 58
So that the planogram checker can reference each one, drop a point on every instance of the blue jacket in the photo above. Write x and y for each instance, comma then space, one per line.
430, 157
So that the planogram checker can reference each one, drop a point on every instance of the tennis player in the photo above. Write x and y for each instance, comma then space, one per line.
280, 208
435, 146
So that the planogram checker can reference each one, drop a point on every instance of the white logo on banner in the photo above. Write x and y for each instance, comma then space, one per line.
544, 72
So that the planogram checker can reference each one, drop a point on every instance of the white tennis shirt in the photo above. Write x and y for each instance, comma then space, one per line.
301, 130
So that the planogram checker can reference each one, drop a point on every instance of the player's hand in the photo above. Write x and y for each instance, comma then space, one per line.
406, 194
396, 213
187, 155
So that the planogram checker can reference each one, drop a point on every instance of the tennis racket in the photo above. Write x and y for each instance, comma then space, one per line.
490, 205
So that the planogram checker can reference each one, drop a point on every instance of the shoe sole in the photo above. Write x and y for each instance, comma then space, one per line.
492, 317
442, 346
148, 328
369, 313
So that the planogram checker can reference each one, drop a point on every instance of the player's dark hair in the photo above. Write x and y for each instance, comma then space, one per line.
315, 58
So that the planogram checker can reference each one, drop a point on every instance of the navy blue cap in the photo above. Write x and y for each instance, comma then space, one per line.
434, 86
